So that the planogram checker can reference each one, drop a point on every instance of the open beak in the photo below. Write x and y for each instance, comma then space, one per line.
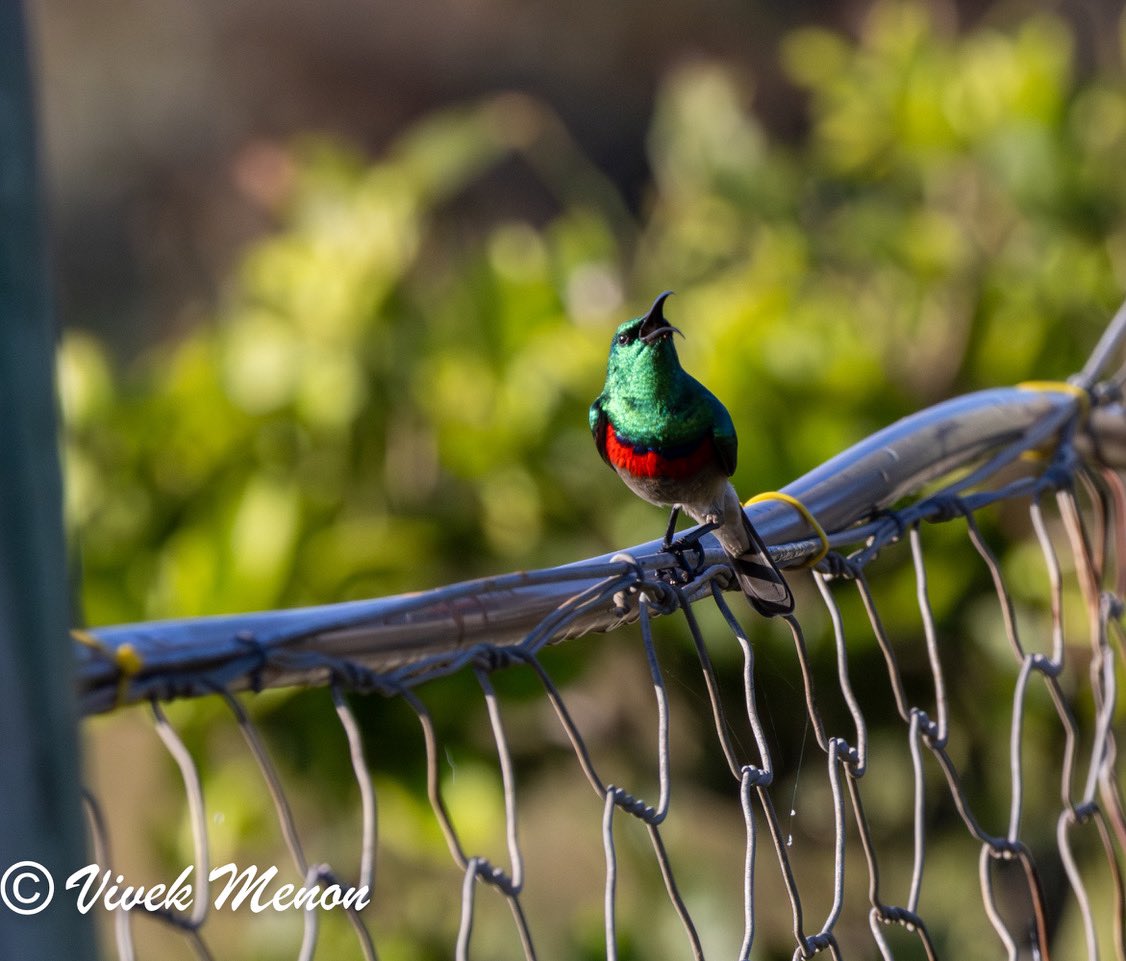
654, 327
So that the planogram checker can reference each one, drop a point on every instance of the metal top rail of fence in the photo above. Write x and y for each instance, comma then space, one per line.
1026, 444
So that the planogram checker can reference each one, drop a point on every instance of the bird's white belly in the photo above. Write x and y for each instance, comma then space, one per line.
705, 497
706, 487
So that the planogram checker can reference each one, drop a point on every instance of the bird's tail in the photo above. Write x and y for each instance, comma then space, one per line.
760, 579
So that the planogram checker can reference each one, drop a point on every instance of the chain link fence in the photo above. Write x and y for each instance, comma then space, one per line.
1047, 453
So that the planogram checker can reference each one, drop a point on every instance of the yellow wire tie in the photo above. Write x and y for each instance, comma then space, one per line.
125, 657
807, 516
88, 639
1062, 387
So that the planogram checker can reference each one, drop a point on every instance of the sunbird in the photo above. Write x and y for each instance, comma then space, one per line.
674, 444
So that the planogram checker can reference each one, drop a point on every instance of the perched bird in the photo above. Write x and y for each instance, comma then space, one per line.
673, 443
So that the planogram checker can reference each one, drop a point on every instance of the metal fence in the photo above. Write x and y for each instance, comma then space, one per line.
1049, 451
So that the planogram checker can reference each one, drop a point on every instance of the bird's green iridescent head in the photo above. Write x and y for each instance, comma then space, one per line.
642, 349
648, 396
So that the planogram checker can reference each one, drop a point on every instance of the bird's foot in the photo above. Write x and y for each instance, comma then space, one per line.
671, 529
689, 542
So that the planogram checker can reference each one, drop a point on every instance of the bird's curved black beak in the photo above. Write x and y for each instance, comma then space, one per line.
654, 326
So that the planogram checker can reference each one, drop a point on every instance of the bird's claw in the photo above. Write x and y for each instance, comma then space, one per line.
680, 546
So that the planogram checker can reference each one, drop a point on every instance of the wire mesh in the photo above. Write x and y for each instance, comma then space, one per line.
1031, 451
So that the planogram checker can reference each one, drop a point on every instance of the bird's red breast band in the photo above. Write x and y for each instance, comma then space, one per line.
683, 461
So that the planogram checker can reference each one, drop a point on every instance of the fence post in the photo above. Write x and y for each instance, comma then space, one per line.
40, 814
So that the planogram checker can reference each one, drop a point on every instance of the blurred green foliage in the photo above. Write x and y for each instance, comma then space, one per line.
394, 392
392, 396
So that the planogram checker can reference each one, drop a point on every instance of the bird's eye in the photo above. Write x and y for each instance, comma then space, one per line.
623, 339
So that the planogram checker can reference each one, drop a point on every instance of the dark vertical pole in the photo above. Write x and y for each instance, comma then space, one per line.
40, 816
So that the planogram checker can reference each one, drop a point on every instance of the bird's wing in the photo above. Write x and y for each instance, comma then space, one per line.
760, 578
723, 433
598, 423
